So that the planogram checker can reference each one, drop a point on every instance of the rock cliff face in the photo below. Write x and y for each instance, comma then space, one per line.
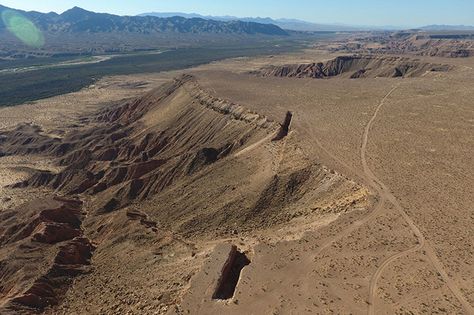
355, 67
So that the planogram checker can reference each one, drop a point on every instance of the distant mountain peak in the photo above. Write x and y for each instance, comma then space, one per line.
75, 12
79, 20
78, 9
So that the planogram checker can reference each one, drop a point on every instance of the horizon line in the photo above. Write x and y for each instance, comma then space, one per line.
398, 27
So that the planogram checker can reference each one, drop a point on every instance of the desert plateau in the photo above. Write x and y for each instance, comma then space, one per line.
332, 178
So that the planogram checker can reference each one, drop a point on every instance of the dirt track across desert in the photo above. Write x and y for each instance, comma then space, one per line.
385, 194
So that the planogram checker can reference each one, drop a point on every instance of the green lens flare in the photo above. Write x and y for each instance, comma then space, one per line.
23, 28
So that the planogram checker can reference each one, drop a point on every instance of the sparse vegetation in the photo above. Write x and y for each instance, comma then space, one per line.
17, 88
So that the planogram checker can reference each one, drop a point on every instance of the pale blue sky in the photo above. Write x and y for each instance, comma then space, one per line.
357, 12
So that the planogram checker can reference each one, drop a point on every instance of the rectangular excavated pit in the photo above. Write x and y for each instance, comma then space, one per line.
230, 274
284, 127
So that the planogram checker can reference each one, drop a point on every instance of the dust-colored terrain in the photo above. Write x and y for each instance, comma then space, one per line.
272, 185
414, 43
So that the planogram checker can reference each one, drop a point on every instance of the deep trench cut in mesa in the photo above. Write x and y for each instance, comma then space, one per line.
230, 274
284, 127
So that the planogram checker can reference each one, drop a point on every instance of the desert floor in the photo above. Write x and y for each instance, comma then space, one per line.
408, 250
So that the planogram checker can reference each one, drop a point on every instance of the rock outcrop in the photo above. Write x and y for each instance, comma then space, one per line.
42, 249
354, 67
140, 148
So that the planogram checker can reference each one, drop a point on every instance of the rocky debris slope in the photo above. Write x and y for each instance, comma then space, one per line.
162, 174
42, 247
138, 149
354, 67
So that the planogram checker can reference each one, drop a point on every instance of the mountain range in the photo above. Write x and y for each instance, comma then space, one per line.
300, 25
77, 20
287, 24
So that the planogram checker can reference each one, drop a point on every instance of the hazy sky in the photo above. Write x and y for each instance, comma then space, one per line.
358, 12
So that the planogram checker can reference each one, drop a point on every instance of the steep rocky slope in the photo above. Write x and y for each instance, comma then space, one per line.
356, 66
42, 249
138, 149
160, 176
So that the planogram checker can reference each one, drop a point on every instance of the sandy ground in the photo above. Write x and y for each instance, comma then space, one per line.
416, 157
410, 251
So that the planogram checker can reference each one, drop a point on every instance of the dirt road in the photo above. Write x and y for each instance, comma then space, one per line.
384, 192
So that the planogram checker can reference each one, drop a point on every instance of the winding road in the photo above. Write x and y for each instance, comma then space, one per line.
385, 194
